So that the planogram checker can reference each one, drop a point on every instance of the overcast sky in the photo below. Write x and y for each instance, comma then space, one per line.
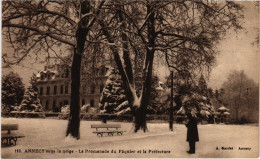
236, 52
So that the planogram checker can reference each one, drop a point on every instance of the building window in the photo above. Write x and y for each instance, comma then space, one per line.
47, 105
42, 77
66, 89
55, 109
61, 89
67, 73
92, 91
55, 90
48, 91
41, 91
92, 103
101, 88
83, 102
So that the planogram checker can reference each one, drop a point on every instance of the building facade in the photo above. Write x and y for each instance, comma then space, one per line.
54, 85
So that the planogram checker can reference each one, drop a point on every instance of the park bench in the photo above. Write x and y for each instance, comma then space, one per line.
9, 139
110, 129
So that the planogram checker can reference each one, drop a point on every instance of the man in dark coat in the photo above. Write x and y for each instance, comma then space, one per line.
192, 133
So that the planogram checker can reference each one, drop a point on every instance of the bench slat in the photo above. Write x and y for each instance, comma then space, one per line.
12, 136
9, 127
108, 131
106, 126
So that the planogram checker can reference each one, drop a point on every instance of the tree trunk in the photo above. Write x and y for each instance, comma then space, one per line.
140, 112
74, 116
171, 104
139, 119
81, 33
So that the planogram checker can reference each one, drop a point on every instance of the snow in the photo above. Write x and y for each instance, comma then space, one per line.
38, 75
49, 134
226, 113
125, 103
181, 111
136, 100
113, 93
124, 111
223, 108
159, 88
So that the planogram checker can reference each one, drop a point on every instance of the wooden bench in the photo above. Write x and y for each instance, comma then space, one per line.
106, 128
9, 139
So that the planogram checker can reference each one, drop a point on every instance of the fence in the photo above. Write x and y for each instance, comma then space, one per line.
92, 116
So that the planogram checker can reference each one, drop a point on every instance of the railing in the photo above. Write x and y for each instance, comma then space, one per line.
91, 116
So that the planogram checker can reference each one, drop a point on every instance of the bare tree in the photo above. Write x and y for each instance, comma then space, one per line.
42, 26
240, 94
184, 33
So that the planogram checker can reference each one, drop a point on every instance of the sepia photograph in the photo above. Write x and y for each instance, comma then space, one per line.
129, 79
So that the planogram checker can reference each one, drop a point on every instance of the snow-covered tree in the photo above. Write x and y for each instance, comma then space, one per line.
185, 32
33, 82
202, 84
30, 101
113, 99
196, 104
160, 95
65, 110
33, 27
12, 91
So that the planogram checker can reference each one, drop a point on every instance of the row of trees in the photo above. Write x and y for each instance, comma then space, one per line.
183, 33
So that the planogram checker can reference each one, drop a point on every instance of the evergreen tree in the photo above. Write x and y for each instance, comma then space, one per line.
203, 89
30, 101
159, 102
197, 105
193, 98
33, 82
113, 99
12, 91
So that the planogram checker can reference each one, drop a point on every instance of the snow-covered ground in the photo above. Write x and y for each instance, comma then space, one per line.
49, 134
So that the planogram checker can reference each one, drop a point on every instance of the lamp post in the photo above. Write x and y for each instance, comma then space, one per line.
171, 104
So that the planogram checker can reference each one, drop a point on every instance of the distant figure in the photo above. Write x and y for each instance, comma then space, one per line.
192, 133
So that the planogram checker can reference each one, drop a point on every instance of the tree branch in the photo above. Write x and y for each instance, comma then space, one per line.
50, 34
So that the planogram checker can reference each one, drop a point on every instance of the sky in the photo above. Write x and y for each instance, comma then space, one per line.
236, 52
